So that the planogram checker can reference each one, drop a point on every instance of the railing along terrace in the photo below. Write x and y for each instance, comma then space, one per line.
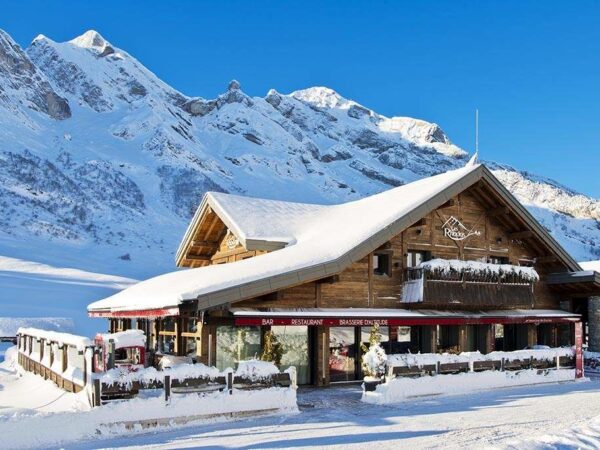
63, 358
469, 283
417, 273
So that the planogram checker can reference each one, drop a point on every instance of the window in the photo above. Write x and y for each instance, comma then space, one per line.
414, 258
235, 344
499, 260
294, 341
167, 336
190, 336
382, 263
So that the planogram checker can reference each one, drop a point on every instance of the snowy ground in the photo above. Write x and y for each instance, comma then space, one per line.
556, 414
31, 289
335, 417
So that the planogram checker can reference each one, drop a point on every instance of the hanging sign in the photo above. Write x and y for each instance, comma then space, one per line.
455, 230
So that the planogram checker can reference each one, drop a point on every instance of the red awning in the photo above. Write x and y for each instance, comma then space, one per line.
395, 317
145, 313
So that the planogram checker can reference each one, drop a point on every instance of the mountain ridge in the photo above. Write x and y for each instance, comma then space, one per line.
111, 185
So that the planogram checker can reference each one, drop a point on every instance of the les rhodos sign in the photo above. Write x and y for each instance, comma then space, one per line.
455, 230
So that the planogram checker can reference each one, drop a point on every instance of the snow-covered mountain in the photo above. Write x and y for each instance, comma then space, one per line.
102, 163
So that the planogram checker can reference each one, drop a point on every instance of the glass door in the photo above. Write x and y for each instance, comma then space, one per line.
342, 354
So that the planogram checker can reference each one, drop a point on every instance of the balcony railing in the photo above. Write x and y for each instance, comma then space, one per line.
485, 290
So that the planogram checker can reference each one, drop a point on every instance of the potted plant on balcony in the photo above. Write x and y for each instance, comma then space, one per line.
374, 360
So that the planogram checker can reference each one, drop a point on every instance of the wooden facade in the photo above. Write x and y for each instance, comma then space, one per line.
477, 224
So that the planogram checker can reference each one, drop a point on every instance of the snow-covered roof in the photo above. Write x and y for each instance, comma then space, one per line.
319, 241
127, 338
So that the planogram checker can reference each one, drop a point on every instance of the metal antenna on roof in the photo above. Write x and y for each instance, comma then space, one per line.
473, 161
477, 132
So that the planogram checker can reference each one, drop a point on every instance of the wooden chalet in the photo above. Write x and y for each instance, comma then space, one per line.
448, 263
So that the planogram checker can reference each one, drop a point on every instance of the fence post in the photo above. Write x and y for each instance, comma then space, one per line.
531, 362
557, 362
293, 377
471, 366
97, 392
111, 354
167, 388
437, 368
230, 382
502, 365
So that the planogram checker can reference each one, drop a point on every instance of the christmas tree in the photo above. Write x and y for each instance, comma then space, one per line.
374, 358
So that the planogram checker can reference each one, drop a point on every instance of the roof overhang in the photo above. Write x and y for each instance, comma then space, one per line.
209, 204
145, 313
583, 283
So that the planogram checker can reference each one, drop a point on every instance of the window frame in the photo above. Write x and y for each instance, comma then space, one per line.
388, 255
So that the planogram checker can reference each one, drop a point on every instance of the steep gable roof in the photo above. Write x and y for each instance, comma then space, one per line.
319, 241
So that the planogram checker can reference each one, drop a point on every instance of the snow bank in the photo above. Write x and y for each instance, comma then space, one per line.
150, 374
80, 342
422, 359
590, 265
399, 389
10, 325
21, 266
583, 435
253, 370
256, 370
500, 271
23, 430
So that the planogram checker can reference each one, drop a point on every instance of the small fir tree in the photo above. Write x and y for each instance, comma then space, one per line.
374, 358
272, 348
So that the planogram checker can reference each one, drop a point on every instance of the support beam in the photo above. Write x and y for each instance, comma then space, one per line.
204, 244
197, 257
545, 259
525, 234
501, 211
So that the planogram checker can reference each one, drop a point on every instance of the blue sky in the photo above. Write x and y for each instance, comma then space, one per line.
532, 68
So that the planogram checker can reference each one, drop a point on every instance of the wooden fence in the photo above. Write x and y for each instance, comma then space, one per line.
70, 367
503, 364
66, 365
106, 391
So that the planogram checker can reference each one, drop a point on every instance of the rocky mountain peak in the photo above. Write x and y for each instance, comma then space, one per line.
95, 182
90, 39
21, 78
322, 97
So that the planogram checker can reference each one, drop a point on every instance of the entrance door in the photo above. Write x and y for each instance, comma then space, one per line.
342, 354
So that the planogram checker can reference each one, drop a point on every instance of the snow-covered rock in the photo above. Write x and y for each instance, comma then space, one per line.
103, 163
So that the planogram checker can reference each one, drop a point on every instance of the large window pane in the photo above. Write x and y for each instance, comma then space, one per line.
294, 341
342, 354
235, 344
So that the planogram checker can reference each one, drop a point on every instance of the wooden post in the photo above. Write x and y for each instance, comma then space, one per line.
230, 382
167, 384
97, 392
502, 365
111, 354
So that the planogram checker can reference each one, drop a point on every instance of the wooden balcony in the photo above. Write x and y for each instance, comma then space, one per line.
465, 290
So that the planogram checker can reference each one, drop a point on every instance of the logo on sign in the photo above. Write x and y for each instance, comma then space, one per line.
232, 242
455, 230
